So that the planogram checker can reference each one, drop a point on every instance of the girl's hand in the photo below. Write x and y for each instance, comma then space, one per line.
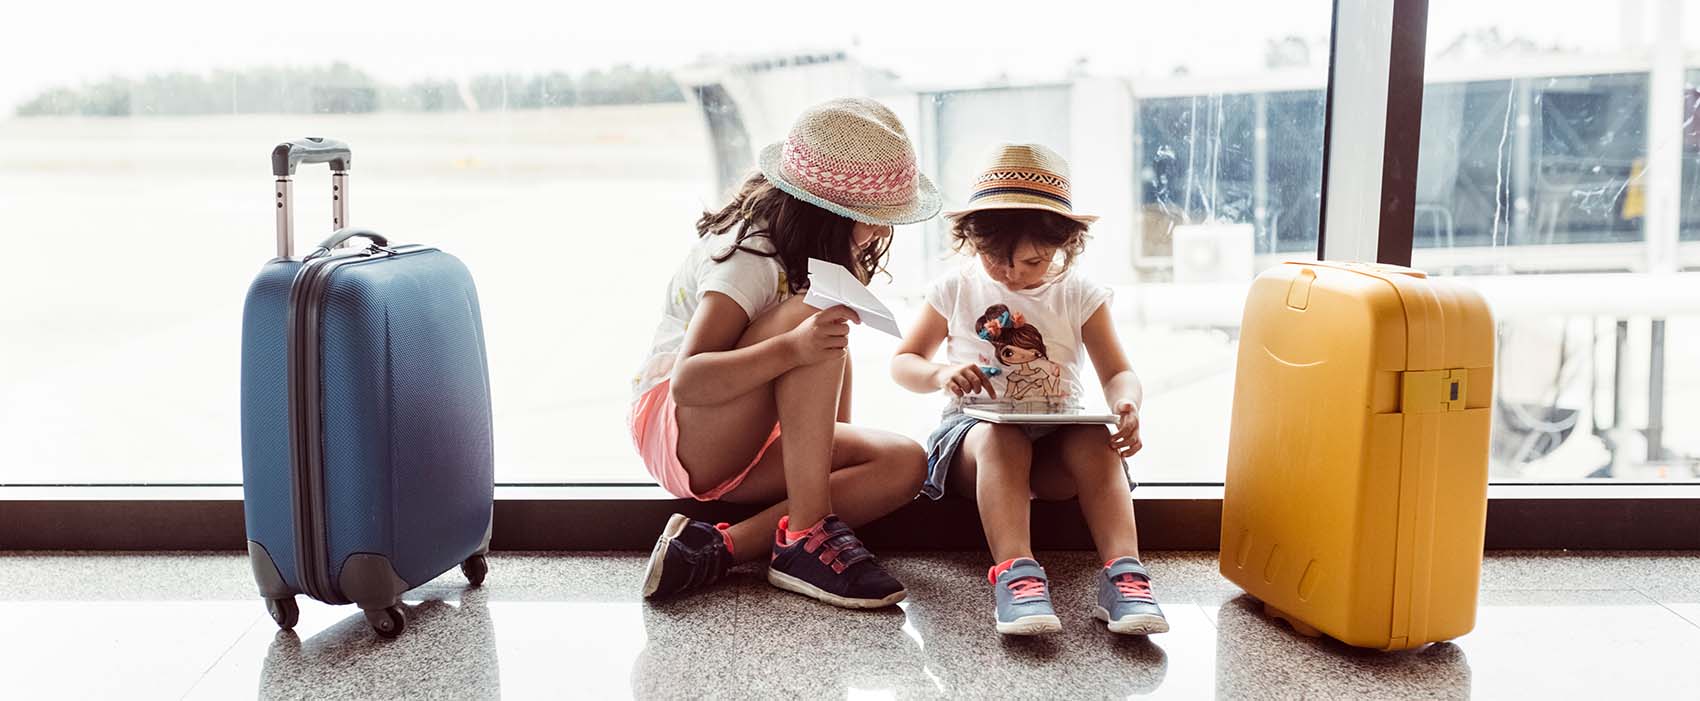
964, 379
821, 337
1126, 437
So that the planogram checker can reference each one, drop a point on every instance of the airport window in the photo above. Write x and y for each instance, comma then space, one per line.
1560, 171
551, 162
1558, 175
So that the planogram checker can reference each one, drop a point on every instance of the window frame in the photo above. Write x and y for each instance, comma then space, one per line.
1387, 80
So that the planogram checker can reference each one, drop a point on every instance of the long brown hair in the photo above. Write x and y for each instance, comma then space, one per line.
798, 231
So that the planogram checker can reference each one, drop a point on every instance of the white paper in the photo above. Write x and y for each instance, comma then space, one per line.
831, 285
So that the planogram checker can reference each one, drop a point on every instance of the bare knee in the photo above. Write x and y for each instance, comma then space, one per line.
904, 462
909, 470
781, 318
901, 462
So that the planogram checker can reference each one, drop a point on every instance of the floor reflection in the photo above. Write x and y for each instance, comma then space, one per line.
948, 622
1261, 657
785, 646
448, 650
572, 626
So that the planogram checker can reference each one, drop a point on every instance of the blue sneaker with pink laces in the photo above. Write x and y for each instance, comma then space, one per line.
1125, 601
1023, 597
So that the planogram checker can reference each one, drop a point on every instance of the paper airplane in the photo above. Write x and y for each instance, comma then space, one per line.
831, 285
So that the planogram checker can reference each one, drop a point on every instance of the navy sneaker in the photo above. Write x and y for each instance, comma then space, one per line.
1023, 598
830, 563
1125, 601
689, 554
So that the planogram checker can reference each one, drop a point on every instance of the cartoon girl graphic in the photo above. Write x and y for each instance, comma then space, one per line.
1020, 346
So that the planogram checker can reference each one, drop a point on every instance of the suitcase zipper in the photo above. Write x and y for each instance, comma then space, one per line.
307, 294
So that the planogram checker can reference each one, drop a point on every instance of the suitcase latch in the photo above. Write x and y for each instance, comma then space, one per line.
1434, 391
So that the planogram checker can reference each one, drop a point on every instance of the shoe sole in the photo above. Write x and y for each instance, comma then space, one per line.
1038, 624
1134, 624
658, 556
793, 584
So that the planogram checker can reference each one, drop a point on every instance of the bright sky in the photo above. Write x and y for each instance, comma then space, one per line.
69, 41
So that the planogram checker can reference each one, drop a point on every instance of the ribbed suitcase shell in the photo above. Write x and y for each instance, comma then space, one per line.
405, 417
1356, 490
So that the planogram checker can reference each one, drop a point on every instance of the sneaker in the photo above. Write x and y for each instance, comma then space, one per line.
689, 554
1125, 601
1023, 598
829, 563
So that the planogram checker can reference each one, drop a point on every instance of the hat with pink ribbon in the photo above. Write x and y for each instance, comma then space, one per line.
851, 157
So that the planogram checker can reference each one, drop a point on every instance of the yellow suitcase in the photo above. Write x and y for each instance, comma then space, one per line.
1356, 491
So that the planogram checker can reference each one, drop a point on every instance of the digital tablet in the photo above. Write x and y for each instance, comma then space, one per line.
1039, 417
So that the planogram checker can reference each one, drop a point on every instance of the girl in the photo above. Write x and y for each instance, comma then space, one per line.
1033, 315
738, 356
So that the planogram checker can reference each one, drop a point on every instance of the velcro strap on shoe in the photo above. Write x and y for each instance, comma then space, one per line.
1118, 568
843, 550
706, 565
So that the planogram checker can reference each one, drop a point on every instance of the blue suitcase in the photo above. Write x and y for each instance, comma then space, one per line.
367, 459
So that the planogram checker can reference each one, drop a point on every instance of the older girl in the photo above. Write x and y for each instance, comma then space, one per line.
738, 356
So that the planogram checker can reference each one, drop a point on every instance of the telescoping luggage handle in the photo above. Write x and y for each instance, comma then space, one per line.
285, 158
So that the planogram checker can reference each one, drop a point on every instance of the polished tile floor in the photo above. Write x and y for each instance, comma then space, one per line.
100, 625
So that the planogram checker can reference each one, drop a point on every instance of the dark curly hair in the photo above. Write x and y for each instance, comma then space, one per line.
798, 231
999, 232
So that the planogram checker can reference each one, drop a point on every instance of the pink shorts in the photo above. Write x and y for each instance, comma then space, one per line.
655, 433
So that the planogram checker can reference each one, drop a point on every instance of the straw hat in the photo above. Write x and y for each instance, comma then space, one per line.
851, 157
1023, 176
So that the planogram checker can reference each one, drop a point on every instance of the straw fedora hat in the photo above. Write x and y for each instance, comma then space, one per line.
1023, 176
851, 157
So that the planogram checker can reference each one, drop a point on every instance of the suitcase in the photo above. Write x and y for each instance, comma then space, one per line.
1356, 490
366, 431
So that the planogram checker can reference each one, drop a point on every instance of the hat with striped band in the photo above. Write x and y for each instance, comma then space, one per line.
851, 157
1023, 176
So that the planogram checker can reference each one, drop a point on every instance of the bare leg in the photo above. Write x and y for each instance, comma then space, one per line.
875, 473
1085, 455
808, 410
716, 442
995, 461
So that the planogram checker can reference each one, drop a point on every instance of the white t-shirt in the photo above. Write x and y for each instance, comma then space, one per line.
756, 283
1031, 337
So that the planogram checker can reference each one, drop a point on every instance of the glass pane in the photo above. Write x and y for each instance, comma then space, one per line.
564, 154
1558, 175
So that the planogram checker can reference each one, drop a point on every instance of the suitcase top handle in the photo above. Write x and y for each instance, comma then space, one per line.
313, 149
343, 235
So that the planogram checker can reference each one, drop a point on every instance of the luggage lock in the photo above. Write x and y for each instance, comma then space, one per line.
1434, 391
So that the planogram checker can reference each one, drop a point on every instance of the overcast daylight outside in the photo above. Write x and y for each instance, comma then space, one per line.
564, 152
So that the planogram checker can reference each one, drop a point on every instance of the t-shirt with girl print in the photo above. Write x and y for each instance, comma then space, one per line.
1029, 338
755, 282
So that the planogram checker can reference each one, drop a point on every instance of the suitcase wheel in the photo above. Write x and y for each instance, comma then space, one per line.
388, 622
1300, 627
475, 568
284, 612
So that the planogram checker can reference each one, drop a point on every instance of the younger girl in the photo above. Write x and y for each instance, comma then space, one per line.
1013, 326
738, 356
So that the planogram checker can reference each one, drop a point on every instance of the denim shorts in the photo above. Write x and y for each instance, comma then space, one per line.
953, 429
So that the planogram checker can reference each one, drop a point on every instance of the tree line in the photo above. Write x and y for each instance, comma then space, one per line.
342, 89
